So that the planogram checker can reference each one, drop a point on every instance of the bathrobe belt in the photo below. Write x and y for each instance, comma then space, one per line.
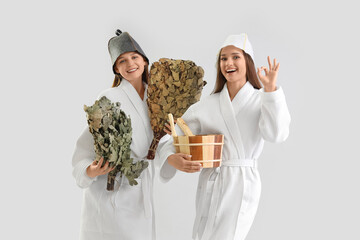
215, 193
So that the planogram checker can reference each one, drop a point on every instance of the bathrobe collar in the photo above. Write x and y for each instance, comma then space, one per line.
229, 110
139, 104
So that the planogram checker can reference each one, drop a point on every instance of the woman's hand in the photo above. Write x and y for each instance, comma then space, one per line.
183, 163
269, 80
95, 168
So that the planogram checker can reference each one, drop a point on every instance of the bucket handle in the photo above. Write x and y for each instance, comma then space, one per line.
184, 127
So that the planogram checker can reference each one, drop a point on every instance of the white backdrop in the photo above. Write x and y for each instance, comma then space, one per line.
54, 59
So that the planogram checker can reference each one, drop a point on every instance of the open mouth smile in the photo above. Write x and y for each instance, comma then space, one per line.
132, 70
232, 70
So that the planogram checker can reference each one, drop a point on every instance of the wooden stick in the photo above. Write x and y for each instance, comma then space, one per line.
154, 144
171, 119
184, 127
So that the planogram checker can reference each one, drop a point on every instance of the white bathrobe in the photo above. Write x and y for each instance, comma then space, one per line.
127, 212
228, 196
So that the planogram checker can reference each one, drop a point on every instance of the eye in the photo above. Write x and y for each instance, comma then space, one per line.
236, 57
122, 61
134, 57
223, 59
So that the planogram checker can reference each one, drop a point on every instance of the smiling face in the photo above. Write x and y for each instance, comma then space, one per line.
131, 66
232, 64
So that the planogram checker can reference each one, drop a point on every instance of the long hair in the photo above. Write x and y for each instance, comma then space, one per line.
251, 75
144, 77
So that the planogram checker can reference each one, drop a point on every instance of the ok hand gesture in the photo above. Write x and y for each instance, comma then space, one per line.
269, 80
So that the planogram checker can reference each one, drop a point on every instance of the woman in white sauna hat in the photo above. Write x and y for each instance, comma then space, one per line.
247, 114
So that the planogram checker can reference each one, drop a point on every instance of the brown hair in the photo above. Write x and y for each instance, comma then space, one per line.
251, 75
145, 75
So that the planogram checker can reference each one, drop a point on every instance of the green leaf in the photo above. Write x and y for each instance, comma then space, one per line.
112, 133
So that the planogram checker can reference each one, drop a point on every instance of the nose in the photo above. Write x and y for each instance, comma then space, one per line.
228, 62
130, 62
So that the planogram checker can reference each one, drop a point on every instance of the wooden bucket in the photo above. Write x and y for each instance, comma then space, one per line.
205, 149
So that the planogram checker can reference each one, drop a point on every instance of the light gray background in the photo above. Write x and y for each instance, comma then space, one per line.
54, 60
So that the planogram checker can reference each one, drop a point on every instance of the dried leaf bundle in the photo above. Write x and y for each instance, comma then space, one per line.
112, 131
173, 87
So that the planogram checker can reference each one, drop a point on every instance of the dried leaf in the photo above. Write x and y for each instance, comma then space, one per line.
112, 133
174, 85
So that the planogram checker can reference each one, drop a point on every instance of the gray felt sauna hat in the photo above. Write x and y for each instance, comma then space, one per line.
123, 43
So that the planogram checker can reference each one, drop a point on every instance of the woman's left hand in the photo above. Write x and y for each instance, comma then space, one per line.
269, 80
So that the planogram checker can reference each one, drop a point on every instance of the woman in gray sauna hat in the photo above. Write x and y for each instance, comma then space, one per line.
123, 43
128, 211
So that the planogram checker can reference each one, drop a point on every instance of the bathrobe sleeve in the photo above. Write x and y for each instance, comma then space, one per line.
166, 170
83, 156
275, 117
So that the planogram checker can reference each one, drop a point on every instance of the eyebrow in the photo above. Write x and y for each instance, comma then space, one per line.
130, 54
234, 53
